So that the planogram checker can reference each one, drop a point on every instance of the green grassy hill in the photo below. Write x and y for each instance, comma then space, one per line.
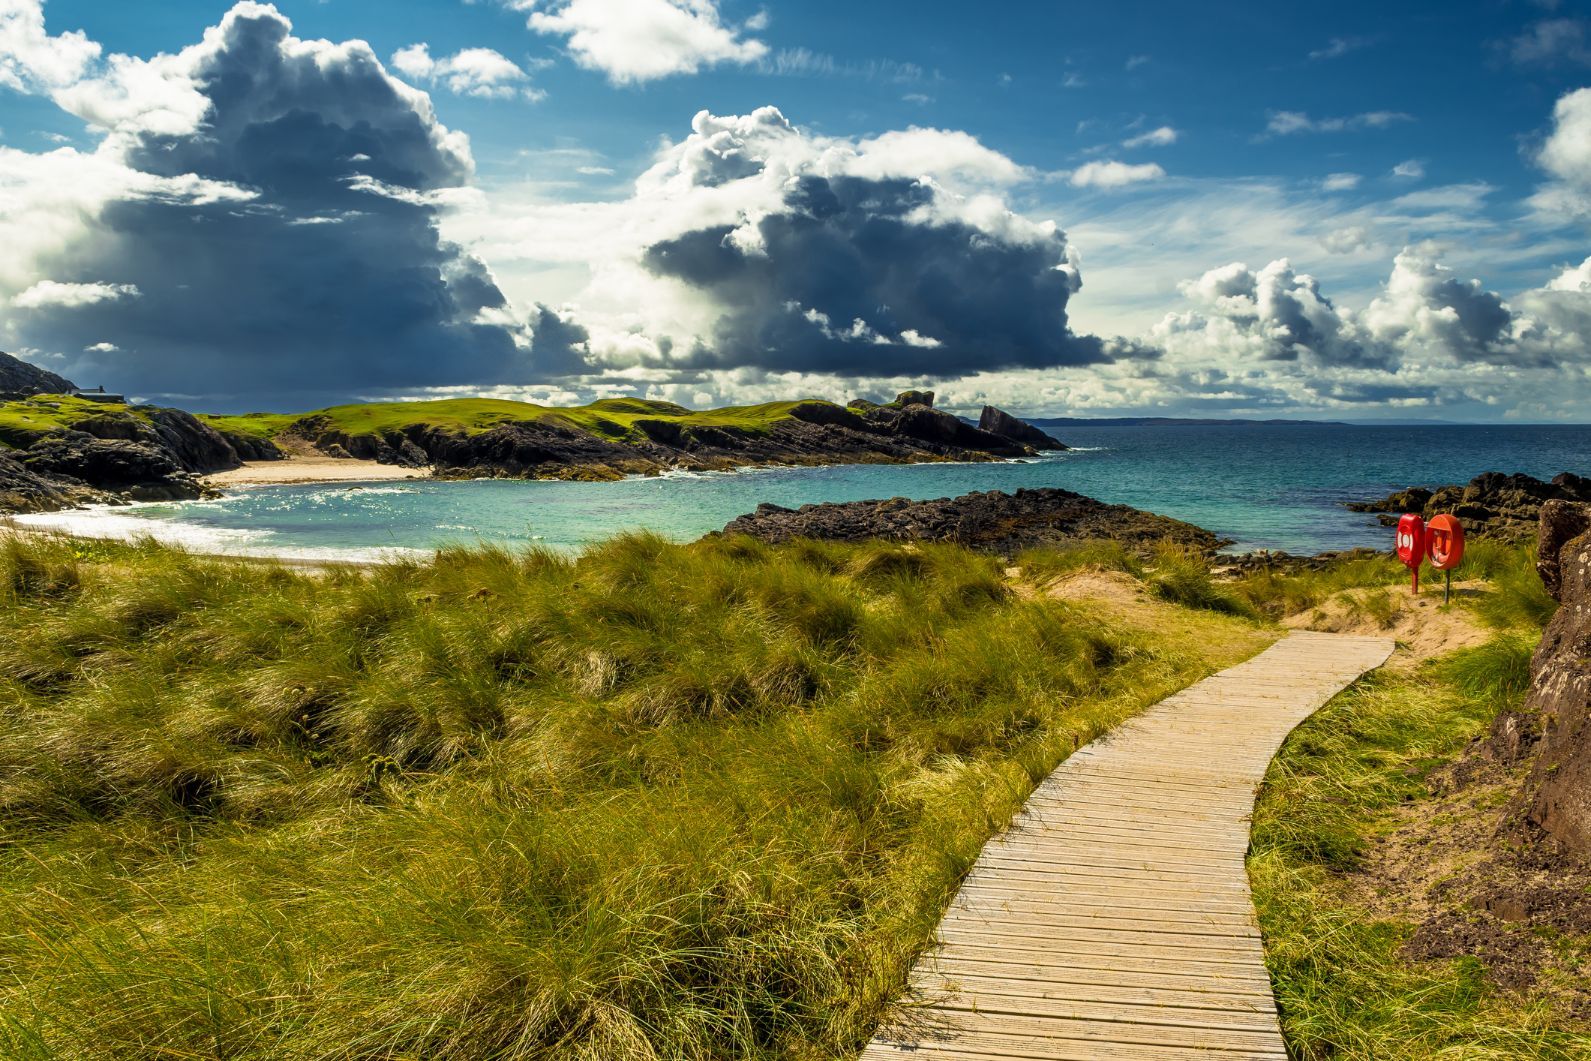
612, 418
24, 421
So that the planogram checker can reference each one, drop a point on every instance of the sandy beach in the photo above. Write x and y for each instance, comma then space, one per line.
316, 469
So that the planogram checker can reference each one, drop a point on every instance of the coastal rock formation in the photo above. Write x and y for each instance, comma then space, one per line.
18, 379
1492, 504
992, 521
908, 430
137, 470
58, 456
999, 422
24, 490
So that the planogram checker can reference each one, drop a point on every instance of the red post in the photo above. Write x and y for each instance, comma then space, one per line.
1411, 546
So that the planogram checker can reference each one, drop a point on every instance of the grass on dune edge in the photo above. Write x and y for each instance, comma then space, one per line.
1346, 778
654, 801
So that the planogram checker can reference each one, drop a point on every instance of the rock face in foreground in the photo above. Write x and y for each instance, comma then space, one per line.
992, 521
1555, 721
1493, 504
1000, 422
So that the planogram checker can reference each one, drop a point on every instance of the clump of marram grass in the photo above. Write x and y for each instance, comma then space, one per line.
1182, 576
654, 801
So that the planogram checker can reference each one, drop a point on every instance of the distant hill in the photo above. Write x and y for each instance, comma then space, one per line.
1167, 421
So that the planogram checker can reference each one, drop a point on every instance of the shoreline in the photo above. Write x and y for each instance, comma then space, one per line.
306, 471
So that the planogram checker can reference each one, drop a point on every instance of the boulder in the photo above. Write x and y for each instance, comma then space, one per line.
905, 398
999, 422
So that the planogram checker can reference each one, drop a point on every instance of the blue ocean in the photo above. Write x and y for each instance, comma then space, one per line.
1273, 486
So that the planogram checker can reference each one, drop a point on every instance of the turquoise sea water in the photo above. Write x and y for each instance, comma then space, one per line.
1263, 486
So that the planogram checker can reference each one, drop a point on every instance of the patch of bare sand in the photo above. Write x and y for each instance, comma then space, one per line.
1423, 626
1119, 597
316, 469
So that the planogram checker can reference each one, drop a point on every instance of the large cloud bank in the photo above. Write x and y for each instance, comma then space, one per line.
843, 258
273, 202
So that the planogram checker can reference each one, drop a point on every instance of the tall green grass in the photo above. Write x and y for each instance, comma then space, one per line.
655, 801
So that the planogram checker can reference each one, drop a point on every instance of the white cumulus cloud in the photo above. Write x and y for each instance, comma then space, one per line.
1113, 174
70, 296
633, 41
479, 72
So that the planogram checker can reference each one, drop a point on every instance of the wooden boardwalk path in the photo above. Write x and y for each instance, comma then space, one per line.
1113, 919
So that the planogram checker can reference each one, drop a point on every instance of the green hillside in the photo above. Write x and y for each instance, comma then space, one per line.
610, 417
25, 420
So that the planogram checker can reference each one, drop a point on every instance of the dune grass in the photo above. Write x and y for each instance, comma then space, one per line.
609, 417
654, 801
1343, 988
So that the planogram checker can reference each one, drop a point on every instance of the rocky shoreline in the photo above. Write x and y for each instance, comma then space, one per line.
1492, 504
990, 521
907, 431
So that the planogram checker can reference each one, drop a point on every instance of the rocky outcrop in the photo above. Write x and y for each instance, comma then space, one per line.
908, 430
137, 470
18, 379
1492, 504
24, 490
999, 422
117, 454
991, 521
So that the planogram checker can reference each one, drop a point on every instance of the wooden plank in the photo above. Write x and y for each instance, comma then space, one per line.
1112, 920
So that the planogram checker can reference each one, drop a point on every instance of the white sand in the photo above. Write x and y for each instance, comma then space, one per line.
316, 469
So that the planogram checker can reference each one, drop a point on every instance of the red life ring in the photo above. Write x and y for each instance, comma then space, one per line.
1444, 542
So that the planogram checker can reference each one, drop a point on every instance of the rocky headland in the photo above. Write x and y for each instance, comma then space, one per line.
1492, 504
60, 448
991, 521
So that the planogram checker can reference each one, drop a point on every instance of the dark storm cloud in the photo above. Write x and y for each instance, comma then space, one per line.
332, 281
863, 276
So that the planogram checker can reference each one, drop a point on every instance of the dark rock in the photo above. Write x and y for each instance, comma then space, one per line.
18, 379
23, 489
1491, 505
905, 398
992, 521
999, 422
196, 445
142, 470
923, 422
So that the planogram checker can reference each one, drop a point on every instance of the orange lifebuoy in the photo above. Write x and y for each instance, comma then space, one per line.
1444, 541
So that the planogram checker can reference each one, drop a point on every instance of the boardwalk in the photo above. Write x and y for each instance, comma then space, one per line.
1113, 920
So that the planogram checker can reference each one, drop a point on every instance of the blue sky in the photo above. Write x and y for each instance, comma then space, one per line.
1355, 209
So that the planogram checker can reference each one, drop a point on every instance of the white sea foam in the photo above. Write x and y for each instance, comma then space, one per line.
115, 525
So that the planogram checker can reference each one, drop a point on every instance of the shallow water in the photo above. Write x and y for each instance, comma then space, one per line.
1263, 486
